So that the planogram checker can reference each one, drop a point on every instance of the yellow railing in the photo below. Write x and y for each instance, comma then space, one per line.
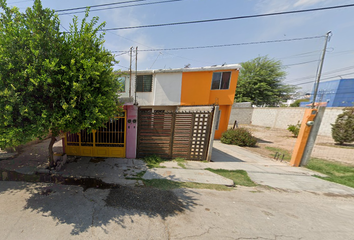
107, 141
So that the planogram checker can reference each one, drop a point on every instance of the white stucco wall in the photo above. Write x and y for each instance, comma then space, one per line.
282, 117
167, 91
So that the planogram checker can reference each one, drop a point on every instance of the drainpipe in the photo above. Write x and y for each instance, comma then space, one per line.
136, 72
130, 73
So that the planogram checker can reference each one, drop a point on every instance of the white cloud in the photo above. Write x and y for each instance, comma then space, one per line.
267, 6
301, 3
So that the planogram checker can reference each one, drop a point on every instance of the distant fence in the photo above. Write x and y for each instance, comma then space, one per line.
280, 117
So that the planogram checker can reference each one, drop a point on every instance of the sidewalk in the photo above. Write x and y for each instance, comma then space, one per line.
266, 171
261, 170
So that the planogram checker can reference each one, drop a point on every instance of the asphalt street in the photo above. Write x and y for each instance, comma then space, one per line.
50, 211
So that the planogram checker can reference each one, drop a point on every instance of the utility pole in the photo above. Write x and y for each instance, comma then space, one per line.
328, 35
136, 71
318, 119
130, 72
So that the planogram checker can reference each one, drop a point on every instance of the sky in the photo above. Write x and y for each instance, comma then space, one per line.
300, 58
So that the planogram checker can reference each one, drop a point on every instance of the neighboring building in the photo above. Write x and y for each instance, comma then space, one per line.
174, 109
336, 93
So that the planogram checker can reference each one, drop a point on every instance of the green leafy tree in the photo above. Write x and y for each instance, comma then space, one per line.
343, 128
298, 101
260, 82
51, 81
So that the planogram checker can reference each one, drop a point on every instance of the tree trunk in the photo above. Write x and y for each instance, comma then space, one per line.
51, 154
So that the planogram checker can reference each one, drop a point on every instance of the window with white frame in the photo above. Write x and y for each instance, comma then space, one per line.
144, 83
221, 80
122, 81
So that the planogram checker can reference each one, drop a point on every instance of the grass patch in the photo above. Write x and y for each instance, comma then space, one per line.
287, 154
165, 184
240, 177
154, 161
140, 174
347, 146
336, 172
180, 162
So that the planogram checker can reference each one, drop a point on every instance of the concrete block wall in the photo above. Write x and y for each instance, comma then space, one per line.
242, 115
265, 117
281, 117
329, 117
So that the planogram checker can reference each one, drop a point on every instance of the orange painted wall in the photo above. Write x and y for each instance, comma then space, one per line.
225, 96
224, 120
196, 90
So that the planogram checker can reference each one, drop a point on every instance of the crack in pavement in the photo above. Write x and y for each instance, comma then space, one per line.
167, 229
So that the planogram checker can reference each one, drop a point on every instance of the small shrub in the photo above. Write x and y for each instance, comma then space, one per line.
295, 129
343, 128
239, 136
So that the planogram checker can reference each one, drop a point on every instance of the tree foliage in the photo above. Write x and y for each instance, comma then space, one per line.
298, 101
260, 82
52, 81
343, 128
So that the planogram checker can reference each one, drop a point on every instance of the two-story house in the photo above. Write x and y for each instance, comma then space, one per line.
163, 91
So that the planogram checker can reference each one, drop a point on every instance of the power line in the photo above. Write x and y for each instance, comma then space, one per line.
121, 54
64, 27
294, 64
327, 73
323, 79
204, 62
98, 5
300, 55
20, 1
122, 66
134, 5
225, 45
230, 18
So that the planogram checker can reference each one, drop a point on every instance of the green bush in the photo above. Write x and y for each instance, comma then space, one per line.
295, 129
239, 136
343, 128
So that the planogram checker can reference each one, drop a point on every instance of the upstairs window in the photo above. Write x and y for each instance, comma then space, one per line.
122, 84
221, 80
144, 83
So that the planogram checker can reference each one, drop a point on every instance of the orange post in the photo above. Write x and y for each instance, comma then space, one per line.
303, 136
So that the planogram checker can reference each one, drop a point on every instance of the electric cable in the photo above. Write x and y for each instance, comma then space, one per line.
98, 5
134, 5
226, 45
230, 18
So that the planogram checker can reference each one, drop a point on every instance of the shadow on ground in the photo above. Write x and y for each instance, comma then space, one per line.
98, 208
259, 140
219, 156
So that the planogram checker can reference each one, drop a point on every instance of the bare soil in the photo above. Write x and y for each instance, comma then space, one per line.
325, 147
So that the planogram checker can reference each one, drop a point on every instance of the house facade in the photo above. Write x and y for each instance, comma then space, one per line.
164, 91
169, 89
